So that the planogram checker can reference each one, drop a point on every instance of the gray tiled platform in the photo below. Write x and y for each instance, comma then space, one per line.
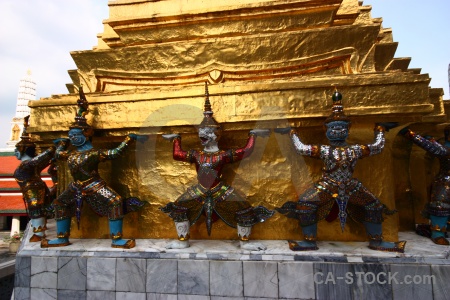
212, 269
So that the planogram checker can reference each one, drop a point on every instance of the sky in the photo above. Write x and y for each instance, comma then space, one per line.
38, 35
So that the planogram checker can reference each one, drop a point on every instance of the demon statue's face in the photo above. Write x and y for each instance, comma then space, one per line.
337, 131
17, 153
77, 137
207, 136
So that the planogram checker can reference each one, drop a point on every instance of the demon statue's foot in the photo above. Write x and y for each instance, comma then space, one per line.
376, 242
303, 245
183, 236
59, 242
115, 229
440, 240
36, 238
309, 242
438, 228
244, 233
438, 237
381, 245
122, 243
63, 230
38, 226
178, 245
246, 245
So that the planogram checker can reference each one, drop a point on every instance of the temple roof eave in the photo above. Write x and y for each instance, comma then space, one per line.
387, 95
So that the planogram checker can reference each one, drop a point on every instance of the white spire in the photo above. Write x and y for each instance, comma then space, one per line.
27, 92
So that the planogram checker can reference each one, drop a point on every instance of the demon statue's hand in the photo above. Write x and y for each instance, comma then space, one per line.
387, 125
61, 140
138, 137
170, 136
285, 130
260, 132
404, 131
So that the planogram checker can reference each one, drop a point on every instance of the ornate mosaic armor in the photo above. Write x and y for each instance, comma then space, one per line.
338, 194
36, 194
439, 204
337, 187
211, 196
89, 186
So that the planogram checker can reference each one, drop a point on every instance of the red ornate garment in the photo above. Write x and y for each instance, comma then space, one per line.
212, 196
209, 165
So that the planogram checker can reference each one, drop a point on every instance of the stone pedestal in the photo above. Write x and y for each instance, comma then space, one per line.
217, 269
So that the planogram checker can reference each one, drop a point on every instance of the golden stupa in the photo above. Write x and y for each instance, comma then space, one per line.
269, 64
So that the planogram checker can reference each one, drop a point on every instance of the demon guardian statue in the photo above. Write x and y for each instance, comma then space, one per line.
211, 196
337, 185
